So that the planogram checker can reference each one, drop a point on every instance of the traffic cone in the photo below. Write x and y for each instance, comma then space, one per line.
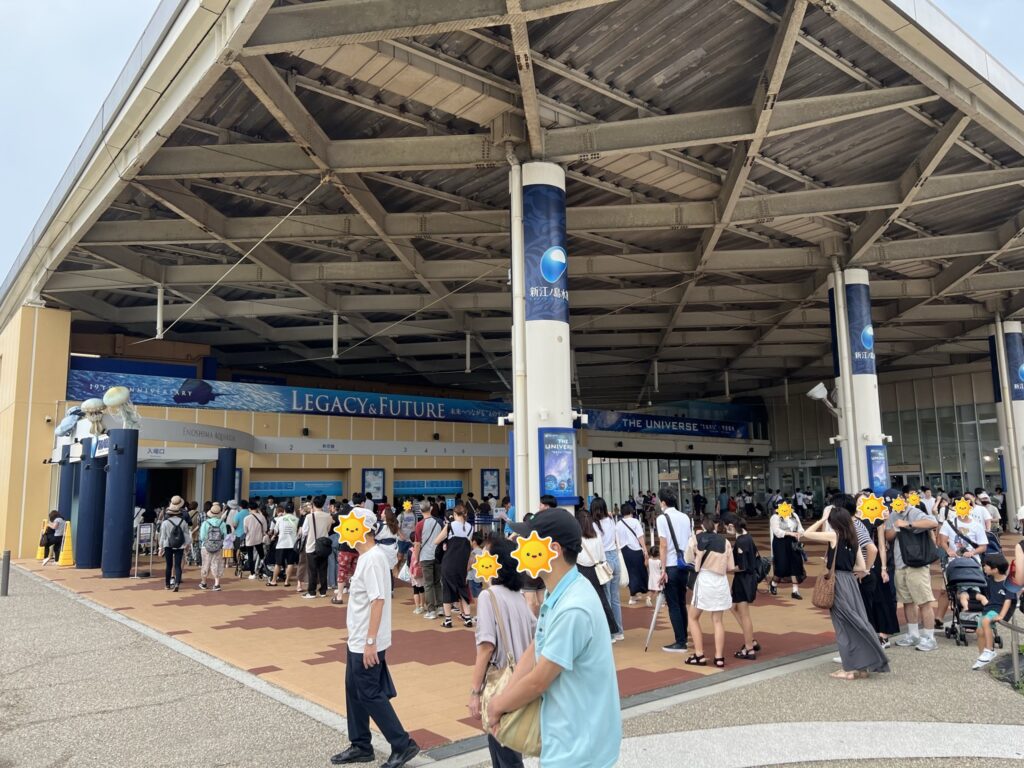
41, 552
67, 557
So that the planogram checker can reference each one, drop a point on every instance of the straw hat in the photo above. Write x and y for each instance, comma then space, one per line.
215, 510
176, 504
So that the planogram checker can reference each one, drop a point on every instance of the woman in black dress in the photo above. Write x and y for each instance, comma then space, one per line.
859, 648
878, 595
744, 586
454, 589
787, 554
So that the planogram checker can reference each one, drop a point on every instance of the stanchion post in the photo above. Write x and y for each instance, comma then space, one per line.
5, 573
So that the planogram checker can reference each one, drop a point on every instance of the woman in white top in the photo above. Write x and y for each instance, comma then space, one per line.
605, 526
454, 589
590, 555
787, 554
630, 534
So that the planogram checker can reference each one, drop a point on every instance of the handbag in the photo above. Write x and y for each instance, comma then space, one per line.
518, 730
602, 570
825, 587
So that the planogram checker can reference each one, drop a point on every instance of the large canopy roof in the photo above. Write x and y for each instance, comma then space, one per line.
721, 156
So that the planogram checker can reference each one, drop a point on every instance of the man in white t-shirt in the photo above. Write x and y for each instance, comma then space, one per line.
368, 685
927, 499
674, 530
979, 511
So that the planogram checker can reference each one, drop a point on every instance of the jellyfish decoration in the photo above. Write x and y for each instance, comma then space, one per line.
119, 403
66, 428
93, 409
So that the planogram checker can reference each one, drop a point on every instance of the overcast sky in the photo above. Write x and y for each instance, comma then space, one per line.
59, 58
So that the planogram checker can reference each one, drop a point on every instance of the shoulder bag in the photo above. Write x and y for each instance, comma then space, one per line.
825, 587
322, 545
518, 730
602, 570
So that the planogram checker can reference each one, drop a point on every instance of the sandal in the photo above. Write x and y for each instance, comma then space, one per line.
336, 601
447, 623
746, 653
841, 674
720, 662
756, 647
467, 621
773, 589
696, 660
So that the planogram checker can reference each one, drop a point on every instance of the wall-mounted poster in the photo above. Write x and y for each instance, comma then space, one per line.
373, 482
558, 463
489, 483
878, 468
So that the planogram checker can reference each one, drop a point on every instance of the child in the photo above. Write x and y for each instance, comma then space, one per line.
998, 606
475, 584
418, 585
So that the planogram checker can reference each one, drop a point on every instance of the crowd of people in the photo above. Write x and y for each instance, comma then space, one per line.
549, 636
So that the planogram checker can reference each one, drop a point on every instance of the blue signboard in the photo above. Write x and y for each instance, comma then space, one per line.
283, 489
547, 260
878, 468
427, 487
558, 463
993, 359
833, 332
265, 398
862, 334
1015, 365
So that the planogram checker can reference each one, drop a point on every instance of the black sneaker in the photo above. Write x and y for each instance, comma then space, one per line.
674, 648
353, 755
797, 596
202, 585
398, 759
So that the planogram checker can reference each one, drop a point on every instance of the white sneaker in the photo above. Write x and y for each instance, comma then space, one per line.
417, 610
908, 641
988, 654
47, 560
429, 615
253, 576
837, 659
928, 644
632, 601
308, 596
649, 603
981, 663
618, 637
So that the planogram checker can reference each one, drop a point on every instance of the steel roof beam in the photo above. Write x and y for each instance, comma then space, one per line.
337, 22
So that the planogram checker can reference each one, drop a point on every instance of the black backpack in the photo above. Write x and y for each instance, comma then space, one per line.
176, 537
917, 549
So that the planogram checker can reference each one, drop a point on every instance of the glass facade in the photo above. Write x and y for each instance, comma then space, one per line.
614, 479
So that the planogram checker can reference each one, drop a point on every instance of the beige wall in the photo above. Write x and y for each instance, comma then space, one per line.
33, 380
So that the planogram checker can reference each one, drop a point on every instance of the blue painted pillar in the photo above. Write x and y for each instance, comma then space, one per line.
549, 422
66, 490
91, 505
119, 502
224, 475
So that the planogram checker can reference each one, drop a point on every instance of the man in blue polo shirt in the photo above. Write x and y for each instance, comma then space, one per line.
570, 663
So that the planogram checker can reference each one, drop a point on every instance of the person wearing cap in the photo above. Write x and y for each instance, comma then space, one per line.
174, 530
569, 664
368, 684
211, 547
913, 582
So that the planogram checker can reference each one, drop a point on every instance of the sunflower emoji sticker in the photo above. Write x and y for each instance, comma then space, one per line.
407, 505
486, 566
899, 504
963, 507
352, 529
913, 498
785, 509
871, 508
534, 554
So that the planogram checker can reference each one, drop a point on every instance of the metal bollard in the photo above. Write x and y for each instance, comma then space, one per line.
5, 572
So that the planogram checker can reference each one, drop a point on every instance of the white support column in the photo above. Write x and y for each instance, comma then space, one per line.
1001, 393
863, 449
520, 491
552, 467
1014, 356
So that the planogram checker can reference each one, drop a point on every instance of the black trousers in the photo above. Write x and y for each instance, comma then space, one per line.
56, 542
317, 574
368, 694
589, 572
250, 554
503, 757
173, 559
675, 596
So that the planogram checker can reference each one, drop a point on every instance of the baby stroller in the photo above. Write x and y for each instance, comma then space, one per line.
965, 573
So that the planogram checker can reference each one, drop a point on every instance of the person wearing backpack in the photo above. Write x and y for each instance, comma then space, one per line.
316, 530
174, 537
257, 534
910, 533
212, 534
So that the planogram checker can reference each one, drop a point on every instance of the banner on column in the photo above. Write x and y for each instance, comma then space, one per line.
993, 359
878, 468
862, 334
1015, 365
839, 464
558, 463
547, 261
